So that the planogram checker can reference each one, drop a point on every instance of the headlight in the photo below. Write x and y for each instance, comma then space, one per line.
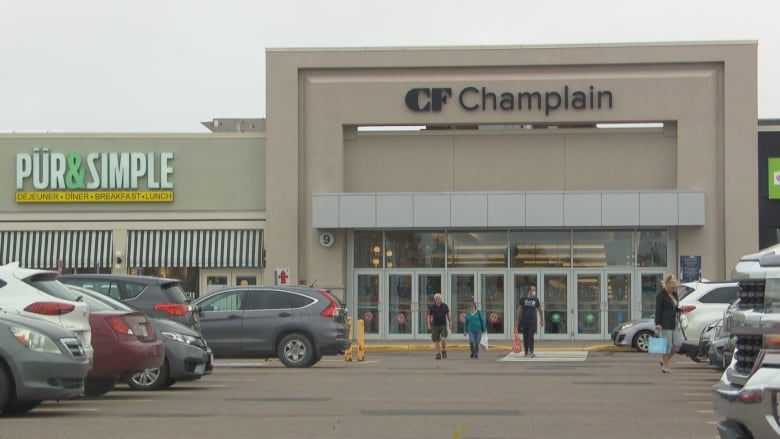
179, 337
35, 340
626, 325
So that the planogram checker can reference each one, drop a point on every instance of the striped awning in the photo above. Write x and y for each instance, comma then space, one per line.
195, 248
42, 249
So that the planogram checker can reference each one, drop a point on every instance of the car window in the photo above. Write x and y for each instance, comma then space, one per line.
299, 301
229, 301
129, 290
95, 304
684, 291
174, 292
3, 283
720, 295
267, 299
49, 284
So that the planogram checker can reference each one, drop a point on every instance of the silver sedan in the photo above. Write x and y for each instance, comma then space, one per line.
634, 333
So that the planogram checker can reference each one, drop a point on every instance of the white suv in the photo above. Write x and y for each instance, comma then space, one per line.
38, 293
702, 303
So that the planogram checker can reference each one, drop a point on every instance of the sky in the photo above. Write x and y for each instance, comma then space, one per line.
165, 66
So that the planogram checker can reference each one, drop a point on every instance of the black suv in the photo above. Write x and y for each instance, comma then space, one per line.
160, 297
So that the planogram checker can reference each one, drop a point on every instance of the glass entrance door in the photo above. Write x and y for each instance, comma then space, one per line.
619, 288
492, 303
462, 292
589, 319
555, 303
399, 305
368, 304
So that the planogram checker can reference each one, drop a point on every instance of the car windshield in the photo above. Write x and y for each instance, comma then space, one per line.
48, 283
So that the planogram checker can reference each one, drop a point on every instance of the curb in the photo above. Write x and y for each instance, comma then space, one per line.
462, 347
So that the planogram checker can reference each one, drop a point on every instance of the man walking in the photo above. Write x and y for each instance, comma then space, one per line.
438, 323
526, 317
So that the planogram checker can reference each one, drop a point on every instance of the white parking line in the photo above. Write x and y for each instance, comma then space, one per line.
548, 356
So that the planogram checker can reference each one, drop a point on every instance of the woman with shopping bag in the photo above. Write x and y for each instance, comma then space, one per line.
474, 327
667, 319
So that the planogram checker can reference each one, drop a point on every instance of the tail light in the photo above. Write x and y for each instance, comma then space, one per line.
750, 396
687, 308
174, 309
119, 325
772, 341
50, 308
334, 309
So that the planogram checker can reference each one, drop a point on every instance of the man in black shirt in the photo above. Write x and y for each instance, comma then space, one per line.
526, 317
438, 323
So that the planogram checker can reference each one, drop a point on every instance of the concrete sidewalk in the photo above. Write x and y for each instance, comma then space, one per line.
502, 345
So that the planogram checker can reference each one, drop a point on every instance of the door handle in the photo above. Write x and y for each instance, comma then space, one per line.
285, 314
234, 316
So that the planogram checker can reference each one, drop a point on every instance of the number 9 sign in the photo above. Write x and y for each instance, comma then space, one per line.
327, 239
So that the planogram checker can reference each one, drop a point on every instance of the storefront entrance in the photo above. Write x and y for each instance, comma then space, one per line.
577, 304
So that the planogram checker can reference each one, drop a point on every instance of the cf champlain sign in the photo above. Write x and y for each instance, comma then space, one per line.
94, 177
472, 98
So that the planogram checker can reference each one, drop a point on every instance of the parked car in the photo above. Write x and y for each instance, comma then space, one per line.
159, 297
187, 356
296, 324
748, 393
125, 343
37, 293
716, 346
38, 361
634, 333
702, 303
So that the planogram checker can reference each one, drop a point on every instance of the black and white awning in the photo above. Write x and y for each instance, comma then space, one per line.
43, 249
195, 248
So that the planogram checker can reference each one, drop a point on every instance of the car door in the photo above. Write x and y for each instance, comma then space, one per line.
221, 316
266, 314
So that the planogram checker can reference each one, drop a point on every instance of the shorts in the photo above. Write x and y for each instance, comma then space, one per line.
438, 332
674, 340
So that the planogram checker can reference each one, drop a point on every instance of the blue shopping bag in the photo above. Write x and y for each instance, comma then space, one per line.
657, 345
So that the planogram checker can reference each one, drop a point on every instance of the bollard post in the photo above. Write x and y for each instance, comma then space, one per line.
361, 340
348, 352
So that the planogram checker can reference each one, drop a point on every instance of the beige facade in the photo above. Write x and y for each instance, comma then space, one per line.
565, 138
705, 94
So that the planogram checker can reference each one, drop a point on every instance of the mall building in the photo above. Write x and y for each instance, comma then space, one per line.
389, 174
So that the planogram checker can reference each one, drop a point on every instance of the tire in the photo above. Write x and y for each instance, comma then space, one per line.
295, 350
642, 340
315, 359
98, 386
694, 357
20, 407
5, 389
150, 379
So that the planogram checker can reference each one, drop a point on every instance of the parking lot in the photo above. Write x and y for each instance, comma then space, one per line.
404, 394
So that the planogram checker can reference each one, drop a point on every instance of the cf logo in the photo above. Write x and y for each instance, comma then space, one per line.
432, 98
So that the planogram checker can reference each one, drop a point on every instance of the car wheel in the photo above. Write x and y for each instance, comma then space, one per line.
5, 388
295, 350
315, 359
98, 386
20, 407
150, 379
642, 340
694, 357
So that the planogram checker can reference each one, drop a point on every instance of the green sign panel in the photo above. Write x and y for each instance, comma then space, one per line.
774, 178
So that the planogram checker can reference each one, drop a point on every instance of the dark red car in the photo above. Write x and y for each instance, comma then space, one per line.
124, 343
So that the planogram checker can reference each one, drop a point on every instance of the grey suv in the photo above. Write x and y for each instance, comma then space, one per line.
159, 297
296, 324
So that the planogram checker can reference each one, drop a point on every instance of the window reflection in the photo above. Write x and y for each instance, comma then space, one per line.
477, 249
540, 249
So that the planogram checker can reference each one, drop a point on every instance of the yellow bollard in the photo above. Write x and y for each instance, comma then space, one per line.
361, 340
348, 352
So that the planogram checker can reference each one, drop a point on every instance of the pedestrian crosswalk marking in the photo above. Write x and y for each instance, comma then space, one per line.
548, 356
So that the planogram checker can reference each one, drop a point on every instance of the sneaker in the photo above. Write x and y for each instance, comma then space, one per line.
438, 356
444, 354
533, 355
526, 355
